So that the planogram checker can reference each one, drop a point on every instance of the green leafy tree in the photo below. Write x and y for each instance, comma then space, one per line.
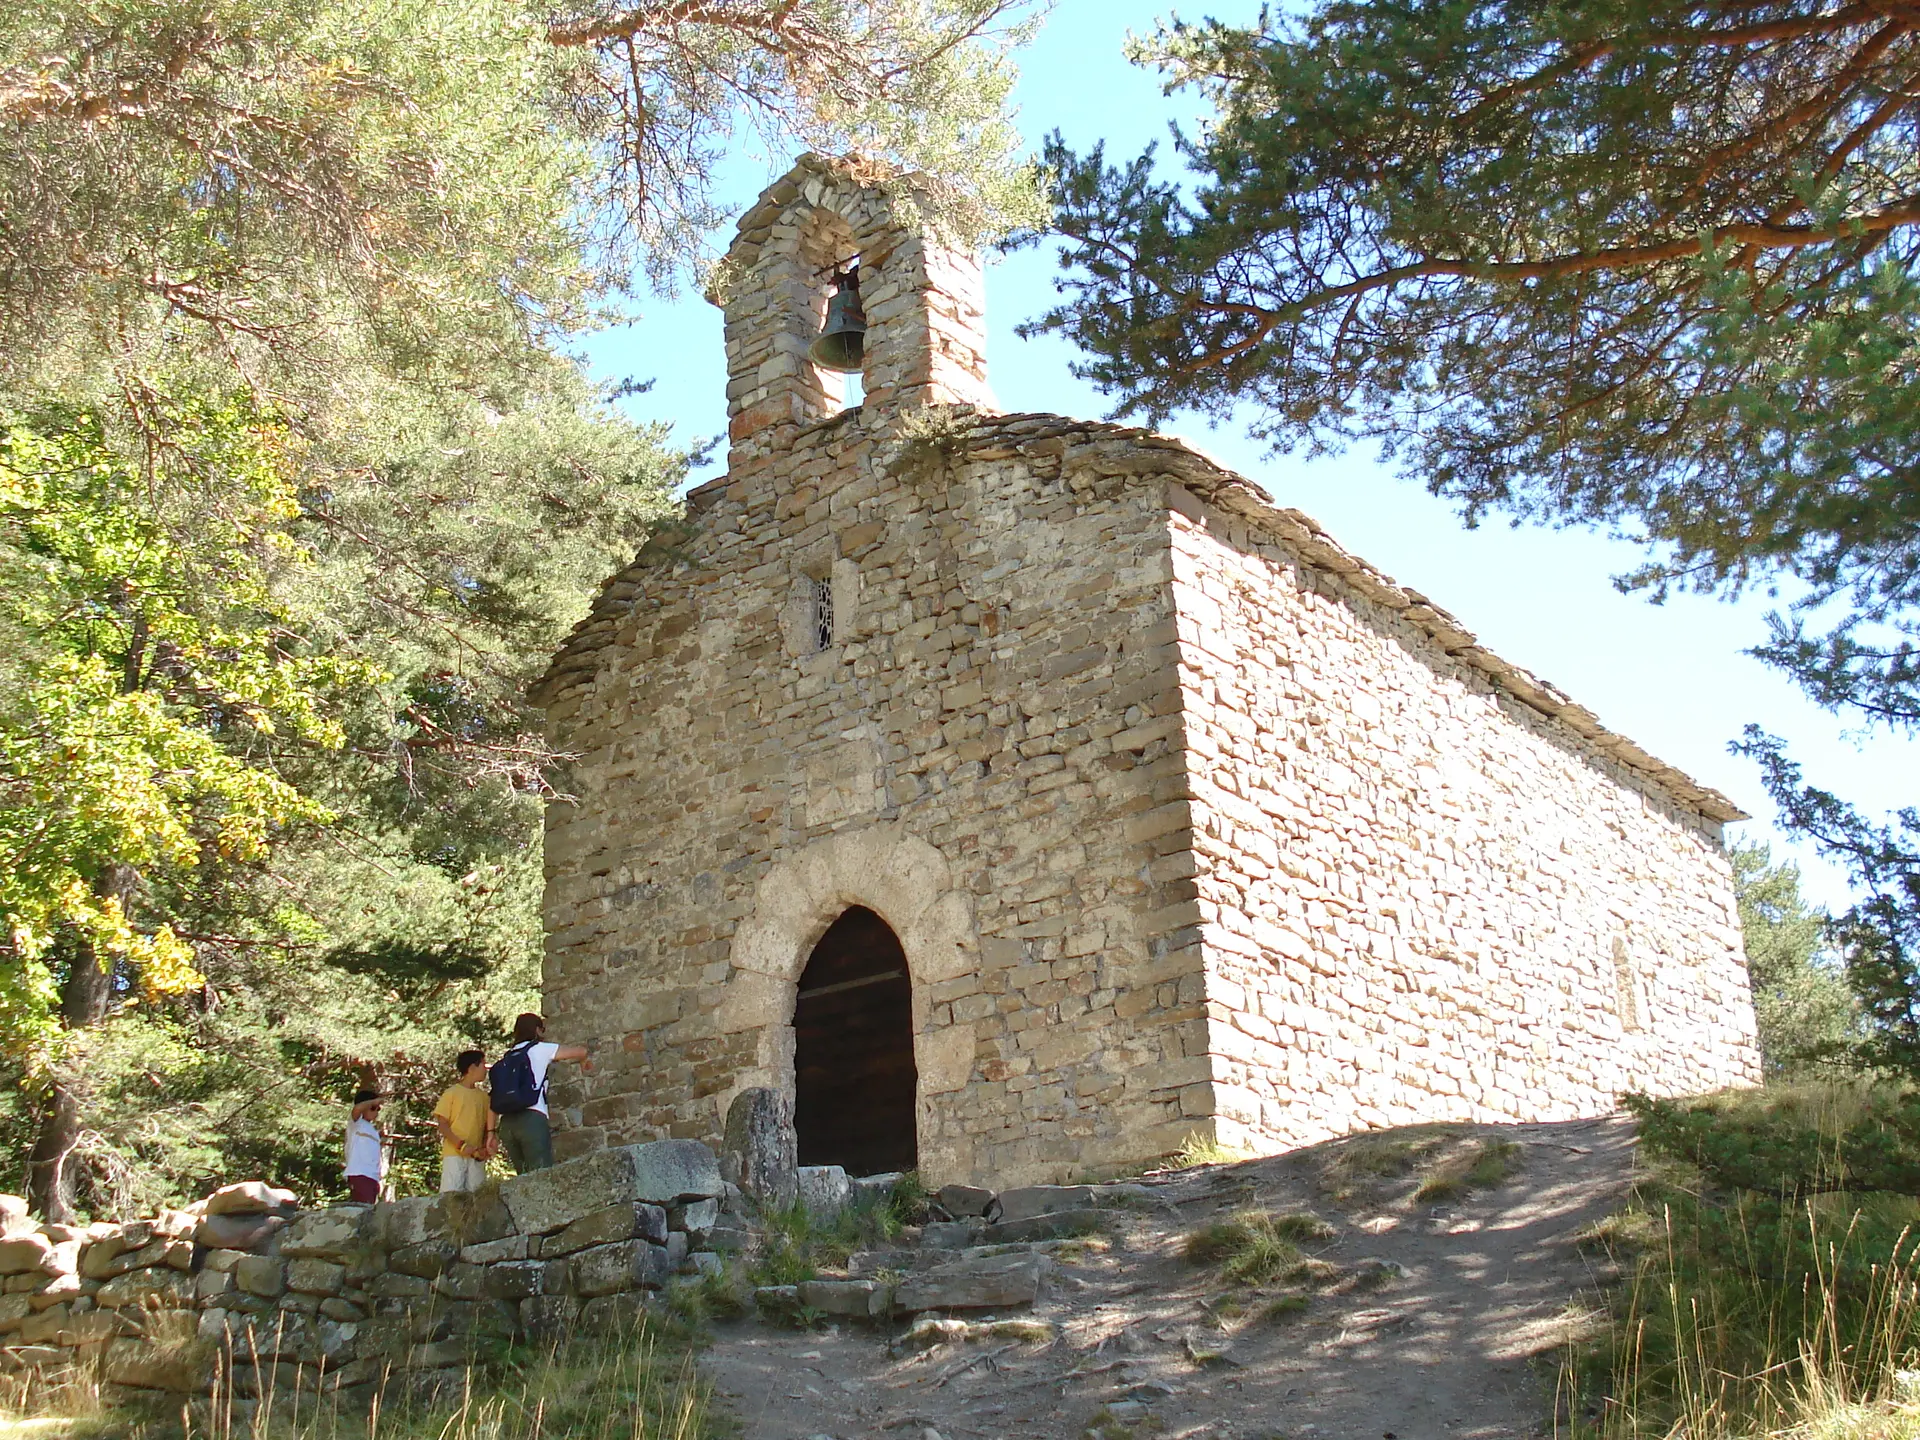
302, 487
1800, 998
1646, 266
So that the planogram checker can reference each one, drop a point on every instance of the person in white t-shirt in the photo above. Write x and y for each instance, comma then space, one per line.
527, 1135
366, 1148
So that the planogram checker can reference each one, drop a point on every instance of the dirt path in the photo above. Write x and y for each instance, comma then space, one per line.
1147, 1343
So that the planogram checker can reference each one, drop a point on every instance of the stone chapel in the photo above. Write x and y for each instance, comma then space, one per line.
1023, 796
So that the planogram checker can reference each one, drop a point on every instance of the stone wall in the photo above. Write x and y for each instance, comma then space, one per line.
1422, 899
246, 1292
1407, 873
985, 756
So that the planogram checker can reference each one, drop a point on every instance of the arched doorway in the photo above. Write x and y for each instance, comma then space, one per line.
853, 1071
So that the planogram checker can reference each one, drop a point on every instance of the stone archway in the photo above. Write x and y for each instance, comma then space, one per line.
855, 1087
906, 882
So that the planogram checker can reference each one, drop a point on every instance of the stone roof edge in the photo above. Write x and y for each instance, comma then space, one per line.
1113, 449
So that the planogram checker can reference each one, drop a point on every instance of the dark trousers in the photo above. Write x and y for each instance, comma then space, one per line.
363, 1189
528, 1141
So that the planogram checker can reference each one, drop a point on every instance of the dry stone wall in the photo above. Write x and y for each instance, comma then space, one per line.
1420, 898
247, 1294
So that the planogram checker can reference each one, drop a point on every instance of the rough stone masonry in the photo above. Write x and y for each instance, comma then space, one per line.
1187, 822
245, 1295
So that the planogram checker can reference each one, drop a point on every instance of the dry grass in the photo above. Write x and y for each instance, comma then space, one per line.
1366, 1169
1255, 1247
636, 1386
1486, 1167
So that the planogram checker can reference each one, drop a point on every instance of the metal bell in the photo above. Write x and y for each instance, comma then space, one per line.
842, 341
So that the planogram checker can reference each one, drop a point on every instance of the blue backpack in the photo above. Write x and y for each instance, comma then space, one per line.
510, 1081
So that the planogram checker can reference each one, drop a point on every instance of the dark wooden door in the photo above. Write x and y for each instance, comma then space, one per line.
854, 1077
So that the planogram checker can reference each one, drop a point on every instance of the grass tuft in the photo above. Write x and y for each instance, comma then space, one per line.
1489, 1165
1283, 1309
1255, 1247
1198, 1150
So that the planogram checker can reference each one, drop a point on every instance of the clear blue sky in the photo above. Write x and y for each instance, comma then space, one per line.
1672, 677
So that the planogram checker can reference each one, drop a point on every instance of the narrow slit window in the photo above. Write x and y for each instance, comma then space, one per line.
822, 615
1627, 1001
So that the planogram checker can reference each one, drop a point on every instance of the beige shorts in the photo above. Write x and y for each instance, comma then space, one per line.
461, 1172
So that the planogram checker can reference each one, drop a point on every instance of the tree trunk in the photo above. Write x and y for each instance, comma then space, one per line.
84, 999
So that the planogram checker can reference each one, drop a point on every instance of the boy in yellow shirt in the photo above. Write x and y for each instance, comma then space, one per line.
466, 1126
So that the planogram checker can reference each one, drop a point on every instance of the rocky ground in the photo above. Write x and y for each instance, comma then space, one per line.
1431, 1306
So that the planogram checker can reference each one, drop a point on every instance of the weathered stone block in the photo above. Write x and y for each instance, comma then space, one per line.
629, 1220
1031, 1200
263, 1275
315, 1276
628, 1265
239, 1232
98, 1256
511, 1247
180, 1369
426, 1259
31, 1253
399, 1287
514, 1279
13, 1309
981, 1283
59, 1290
147, 1287
658, 1173
549, 1316
964, 1202
249, 1197
824, 1189
474, 1217
696, 1219
326, 1234
613, 1314
760, 1150
863, 1299
399, 1224
439, 1354
460, 1281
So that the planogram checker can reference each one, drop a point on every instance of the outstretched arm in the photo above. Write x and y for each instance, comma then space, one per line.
571, 1052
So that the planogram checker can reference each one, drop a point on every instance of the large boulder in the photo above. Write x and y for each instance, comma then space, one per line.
250, 1197
659, 1173
761, 1151
13, 1214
